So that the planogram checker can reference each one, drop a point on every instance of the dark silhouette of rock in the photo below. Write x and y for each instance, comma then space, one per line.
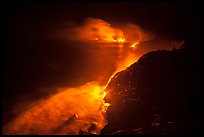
159, 94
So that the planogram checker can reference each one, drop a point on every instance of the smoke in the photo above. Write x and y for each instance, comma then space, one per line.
123, 38
82, 109
69, 111
134, 33
98, 30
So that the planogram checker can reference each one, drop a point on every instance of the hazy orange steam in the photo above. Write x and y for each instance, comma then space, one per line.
67, 112
101, 31
82, 109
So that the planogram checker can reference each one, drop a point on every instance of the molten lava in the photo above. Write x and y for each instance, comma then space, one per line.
79, 110
134, 44
70, 111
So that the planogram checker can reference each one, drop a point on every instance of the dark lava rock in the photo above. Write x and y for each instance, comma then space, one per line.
159, 94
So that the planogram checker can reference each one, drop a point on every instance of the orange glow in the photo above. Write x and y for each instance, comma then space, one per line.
101, 31
72, 110
120, 40
134, 44
128, 60
85, 103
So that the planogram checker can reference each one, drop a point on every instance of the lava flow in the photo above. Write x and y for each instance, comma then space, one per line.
78, 110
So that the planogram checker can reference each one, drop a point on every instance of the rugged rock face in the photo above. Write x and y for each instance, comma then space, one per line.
159, 94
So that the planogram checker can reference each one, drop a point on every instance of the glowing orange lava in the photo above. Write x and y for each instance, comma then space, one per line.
69, 111
81, 109
134, 44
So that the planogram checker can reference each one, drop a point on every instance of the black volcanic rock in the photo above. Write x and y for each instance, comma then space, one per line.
159, 94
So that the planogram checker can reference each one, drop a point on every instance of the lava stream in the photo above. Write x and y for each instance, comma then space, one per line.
79, 110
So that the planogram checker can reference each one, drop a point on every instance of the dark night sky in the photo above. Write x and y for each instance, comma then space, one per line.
167, 17
29, 51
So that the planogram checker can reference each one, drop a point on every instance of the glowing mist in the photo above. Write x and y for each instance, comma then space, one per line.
79, 110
